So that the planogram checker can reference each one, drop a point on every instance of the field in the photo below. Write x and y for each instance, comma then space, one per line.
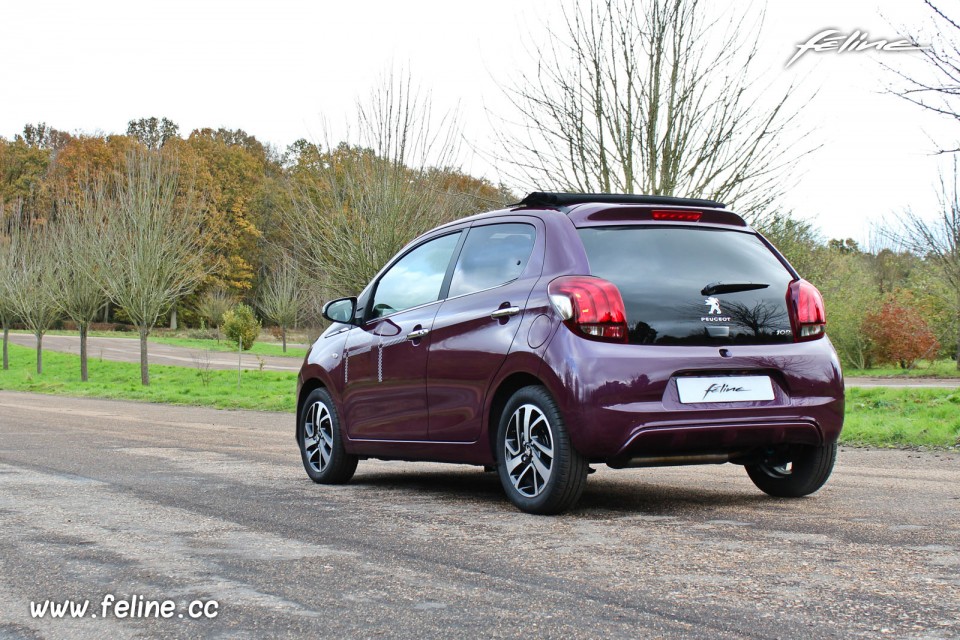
261, 390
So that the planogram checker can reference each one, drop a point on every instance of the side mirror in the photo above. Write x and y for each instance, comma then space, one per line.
342, 310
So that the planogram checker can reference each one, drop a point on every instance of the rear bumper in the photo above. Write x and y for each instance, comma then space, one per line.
621, 401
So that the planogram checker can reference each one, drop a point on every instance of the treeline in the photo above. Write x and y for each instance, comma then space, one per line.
160, 227
151, 226
893, 305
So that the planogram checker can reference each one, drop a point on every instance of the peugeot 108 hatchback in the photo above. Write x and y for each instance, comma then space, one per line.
579, 329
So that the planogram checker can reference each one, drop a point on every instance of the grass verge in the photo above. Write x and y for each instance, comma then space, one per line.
923, 369
909, 417
876, 417
260, 390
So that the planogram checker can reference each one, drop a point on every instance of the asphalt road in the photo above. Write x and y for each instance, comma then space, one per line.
103, 497
128, 350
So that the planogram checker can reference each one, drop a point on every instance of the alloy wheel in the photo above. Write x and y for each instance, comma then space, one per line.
318, 436
528, 449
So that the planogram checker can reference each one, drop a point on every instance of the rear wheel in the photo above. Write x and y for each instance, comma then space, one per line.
538, 467
321, 442
797, 473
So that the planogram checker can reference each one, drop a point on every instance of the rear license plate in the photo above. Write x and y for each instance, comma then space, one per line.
725, 389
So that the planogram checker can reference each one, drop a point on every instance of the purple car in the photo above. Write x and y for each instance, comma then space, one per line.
579, 329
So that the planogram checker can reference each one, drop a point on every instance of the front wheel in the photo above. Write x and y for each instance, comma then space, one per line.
538, 467
321, 441
798, 473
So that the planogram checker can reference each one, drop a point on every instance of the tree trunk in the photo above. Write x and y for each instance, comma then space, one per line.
39, 352
283, 333
83, 352
106, 312
6, 354
144, 369
958, 336
173, 319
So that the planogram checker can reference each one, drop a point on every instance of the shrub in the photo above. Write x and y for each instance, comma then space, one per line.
240, 323
899, 333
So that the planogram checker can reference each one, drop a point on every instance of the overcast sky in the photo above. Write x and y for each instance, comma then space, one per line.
280, 69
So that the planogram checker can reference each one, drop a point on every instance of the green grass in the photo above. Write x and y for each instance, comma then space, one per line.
258, 348
878, 417
890, 417
923, 369
260, 390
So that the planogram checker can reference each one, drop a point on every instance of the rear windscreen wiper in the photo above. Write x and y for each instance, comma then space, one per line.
731, 287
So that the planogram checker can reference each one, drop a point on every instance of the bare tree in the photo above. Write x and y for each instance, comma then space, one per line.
33, 287
938, 90
361, 203
282, 299
937, 240
631, 97
77, 234
213, 304
153, 249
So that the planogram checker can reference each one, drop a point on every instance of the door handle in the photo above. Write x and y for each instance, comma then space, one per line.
505, 313
416, 335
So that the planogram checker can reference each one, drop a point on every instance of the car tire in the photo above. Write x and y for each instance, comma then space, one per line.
540, 470
321, 441
801, 472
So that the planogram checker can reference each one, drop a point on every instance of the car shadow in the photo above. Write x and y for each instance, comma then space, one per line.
602, 495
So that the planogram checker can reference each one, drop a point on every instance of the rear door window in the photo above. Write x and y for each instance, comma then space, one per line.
492, 255
693, 286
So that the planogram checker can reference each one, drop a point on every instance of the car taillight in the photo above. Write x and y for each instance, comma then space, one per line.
806, 310
591, 307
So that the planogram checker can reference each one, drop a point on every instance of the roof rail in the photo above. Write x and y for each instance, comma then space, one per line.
549, 199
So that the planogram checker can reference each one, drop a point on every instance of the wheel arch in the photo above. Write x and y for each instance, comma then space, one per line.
505, 390
309, 386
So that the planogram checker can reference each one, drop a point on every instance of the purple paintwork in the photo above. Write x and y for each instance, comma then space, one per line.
439, 398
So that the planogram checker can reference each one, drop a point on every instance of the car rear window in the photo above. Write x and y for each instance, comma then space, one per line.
663, 274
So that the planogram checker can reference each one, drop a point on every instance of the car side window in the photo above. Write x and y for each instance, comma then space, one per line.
492, 255
416, 278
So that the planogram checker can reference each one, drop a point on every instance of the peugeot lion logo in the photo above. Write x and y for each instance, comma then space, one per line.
714, 305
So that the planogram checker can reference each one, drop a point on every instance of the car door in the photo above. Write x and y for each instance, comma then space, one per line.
477, 323
385, 358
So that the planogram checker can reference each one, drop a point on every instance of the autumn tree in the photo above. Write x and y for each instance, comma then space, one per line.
24, 190
85, 158
229, 167
282, 299
899, 333
651, 97
153, 249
